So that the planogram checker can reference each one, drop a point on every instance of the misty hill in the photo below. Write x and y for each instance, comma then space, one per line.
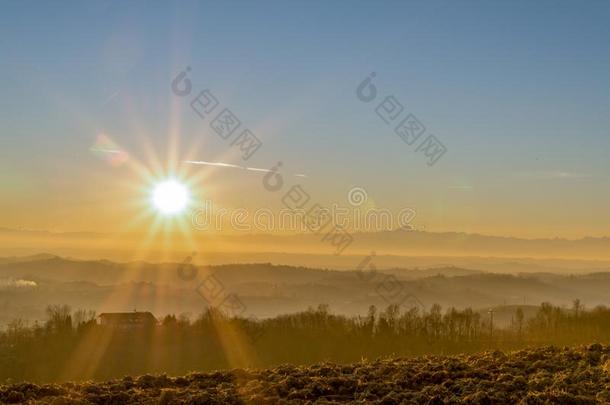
27, 286
448, 271
48, 267
464, 244
55, 268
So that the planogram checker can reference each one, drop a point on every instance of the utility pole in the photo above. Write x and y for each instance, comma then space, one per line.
491, 322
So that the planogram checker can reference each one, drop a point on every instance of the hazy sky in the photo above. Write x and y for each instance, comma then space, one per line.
518, 92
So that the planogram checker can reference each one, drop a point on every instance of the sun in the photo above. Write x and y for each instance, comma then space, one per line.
170, 197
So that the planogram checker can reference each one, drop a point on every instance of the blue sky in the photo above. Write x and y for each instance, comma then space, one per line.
517, 91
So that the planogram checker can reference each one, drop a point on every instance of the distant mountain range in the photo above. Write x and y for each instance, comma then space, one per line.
250, 247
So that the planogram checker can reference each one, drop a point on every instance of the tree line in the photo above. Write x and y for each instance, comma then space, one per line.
71, 345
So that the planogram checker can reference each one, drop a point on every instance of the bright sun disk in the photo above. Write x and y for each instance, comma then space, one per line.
170, 197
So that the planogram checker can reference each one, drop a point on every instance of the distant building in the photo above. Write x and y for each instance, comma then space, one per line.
127, 319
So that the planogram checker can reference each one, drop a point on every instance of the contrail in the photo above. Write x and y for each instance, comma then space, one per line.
103, 150
202, 162
232, 166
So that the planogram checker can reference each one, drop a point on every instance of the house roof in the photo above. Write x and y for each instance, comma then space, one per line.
128, 316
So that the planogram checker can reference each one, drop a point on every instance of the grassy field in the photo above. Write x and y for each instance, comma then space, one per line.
535, 376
